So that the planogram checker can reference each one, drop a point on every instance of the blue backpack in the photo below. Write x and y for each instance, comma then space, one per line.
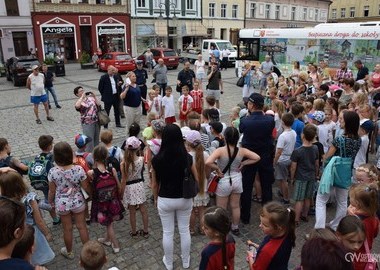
38, 171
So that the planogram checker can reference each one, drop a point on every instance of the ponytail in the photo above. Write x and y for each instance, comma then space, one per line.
200, 167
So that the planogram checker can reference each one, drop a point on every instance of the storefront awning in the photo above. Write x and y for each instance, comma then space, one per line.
195, 28
161, 29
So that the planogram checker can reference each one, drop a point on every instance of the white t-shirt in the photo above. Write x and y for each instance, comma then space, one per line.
156, 105
361, 155
37, 86
168, 103
323, 137
189, 100
286, 142
330, 133
200, 66
118, 154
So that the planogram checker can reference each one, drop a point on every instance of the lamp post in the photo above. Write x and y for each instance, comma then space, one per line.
167, 6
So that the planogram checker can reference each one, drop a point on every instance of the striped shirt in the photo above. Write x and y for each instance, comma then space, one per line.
197, 96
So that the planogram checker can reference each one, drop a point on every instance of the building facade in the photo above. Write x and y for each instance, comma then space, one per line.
16, 32
223, 19
354, 11
286, 13
71, 27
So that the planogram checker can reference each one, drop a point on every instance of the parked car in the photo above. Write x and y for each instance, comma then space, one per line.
170, 57
17, 69
2, 69
122, 61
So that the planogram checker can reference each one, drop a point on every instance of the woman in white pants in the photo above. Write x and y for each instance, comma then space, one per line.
351, 141
167, 185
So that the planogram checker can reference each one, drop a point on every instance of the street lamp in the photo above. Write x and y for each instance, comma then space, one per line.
167, 6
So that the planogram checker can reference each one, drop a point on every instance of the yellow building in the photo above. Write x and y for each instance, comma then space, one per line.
223, 19
354, 10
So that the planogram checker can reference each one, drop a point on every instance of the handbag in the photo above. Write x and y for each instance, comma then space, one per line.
190, 186
103, 117
342, 168
371, 261
213, 184
146, 105
240, 81
178, 88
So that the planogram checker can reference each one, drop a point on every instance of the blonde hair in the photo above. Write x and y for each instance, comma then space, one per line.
319, 104
236, 110
151, 116
151, 92
303, 76
278, 107
360, 98
371, 172
365, 197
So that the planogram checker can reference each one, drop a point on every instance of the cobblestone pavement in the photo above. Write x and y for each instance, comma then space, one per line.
17, 124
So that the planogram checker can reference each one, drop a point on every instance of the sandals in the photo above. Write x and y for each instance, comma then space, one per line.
38, 121
134, 235
257, 199
144, 234
49, 118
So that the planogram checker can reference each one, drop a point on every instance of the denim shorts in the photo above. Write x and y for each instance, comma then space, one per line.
38, 99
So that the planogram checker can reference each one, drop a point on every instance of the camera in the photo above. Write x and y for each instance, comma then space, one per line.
252, 67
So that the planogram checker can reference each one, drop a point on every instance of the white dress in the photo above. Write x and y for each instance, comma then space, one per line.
134, 194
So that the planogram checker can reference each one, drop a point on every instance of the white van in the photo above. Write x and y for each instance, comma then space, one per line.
220, 45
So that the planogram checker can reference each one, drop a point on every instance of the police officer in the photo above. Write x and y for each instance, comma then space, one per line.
257, 129
141, 77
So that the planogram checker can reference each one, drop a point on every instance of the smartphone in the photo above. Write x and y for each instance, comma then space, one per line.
88, 93
128, 81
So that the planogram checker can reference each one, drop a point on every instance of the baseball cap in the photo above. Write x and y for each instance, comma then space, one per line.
34, 67
256, 99
133, 143
367, 126
158, 125
81, 140
193, 137
318, 116
184, 131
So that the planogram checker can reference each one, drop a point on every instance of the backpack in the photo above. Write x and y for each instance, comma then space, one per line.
81, 161
220, 141
38, 171
105, 186
112, 161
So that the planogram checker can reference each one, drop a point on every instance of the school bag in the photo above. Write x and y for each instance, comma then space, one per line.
112, 161
105, 186
38, 171
81, 161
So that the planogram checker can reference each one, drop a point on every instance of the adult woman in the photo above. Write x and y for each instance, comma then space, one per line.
131, 97
149, 59
295, 71
87, 105
375, 78
348, 92
314, 75
251, 81
199, 69
350, 143
167, 185
230, 185
301, 88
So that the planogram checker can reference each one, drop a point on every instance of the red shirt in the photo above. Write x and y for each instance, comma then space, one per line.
197, 96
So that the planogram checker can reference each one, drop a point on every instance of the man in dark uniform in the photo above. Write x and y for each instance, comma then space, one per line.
257, 129
141, 77
186, 77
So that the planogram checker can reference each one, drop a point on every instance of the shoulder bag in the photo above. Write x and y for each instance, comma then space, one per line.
240, 82
190, 185
342, 167
371, 261
213, 183
103, 117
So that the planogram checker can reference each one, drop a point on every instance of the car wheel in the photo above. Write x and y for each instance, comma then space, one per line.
8, 76
16, 81
175, 67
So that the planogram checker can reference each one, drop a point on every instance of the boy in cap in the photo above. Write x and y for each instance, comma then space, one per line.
362, 156
317, 118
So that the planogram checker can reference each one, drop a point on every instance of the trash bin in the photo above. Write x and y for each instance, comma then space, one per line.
60, 68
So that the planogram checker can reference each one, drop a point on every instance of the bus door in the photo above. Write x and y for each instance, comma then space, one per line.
248, 49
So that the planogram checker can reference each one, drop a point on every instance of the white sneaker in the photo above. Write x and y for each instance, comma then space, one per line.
168, 267
68, 255
185, 262
104, 242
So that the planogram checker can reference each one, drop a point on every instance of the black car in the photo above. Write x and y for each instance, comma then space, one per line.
18, 69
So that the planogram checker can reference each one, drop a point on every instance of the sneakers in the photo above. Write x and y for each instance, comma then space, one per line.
58, 106
167, 266
49, 118
67, 255
185, 262
38, 121
115, 249
104, 242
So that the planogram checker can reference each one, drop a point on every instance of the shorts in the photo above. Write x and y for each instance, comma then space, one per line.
226, 188
281, 170
38, 99
303, 190
213, 93
200, 75
74, 211
170, 120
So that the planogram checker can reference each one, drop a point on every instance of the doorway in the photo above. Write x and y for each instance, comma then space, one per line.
20, 43
85, 36
70, 48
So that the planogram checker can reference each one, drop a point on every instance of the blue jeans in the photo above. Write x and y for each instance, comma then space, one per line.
52, 91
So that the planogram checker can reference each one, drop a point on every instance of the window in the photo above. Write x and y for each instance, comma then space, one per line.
366, 11
316, 15
304, 14
277, 12
267, 11
115, 2
223, 9
65, 1
190, 4
140, 3
343, 13
252, 10
12, 7
352, 12
82, 1
293, 14
211, 9
234, 11
101, 1
333, 13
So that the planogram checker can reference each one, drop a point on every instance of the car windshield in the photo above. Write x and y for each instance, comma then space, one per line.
28, 63
123, 57
169, 53
228, 45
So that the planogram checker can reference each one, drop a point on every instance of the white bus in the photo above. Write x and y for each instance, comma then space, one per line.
330, 41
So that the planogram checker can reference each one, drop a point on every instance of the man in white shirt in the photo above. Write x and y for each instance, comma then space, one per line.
225, 53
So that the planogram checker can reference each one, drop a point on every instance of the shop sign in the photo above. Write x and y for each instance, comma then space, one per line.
110, 31
58, 30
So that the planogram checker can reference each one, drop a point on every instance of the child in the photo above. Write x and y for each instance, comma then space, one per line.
168, 109
278, 224
185, 102
297, 110
115, 156
216, 132
304, 170
195, 149
211, 103
25, 247
351, 233
330, 125
156, 104
197, 95
38, 176
65, 183
106, 206
317, 118
150, 99
148, 131
220, 252
92, 256
235, 119
6, 160
284, 149
12, 186
132, 186
362, 156
272, 95
284, 93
